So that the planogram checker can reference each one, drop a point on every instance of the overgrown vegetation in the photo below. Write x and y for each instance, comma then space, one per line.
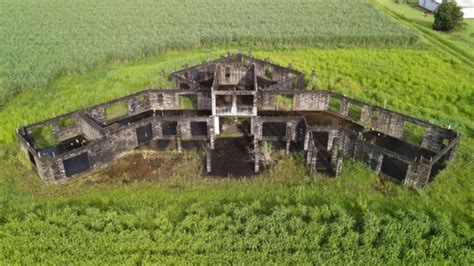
43, 40
116, 111
284, 102
284, 216
187, 102
354, 112
334, 105
413, 134
44, 137
67, 122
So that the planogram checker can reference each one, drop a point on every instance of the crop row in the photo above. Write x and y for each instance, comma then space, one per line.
42, 40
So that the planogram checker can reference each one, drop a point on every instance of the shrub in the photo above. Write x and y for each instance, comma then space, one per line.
448, 16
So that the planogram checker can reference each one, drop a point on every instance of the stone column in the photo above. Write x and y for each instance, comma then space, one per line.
211, 134
344, 110
256, 146
234, 104
366, 114
208, 161
290, 135
338, 169
179, 143
185, 129
335, 151
379, 163
309, 155
314, 158
306, 140
216, 125
252, 125
156, 129
257, 133
332, 138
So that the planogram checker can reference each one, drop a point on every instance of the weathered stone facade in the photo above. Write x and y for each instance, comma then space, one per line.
327, 126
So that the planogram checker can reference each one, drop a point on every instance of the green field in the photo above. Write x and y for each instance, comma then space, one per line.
284, 216
42, 40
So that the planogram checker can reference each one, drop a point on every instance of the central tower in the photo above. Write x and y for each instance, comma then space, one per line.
234, 90
235, 84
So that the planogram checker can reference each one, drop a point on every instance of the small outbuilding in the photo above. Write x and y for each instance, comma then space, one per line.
466, 5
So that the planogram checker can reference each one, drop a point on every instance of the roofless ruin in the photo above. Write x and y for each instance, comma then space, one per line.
271, 106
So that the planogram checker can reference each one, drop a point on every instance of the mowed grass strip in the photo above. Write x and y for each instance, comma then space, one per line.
42, 40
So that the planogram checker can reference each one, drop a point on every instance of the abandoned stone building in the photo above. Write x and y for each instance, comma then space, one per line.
271, 105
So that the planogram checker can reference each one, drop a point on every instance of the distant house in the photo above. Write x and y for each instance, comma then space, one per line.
466, 5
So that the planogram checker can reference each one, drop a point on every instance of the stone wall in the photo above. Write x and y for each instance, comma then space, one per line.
371, 117
418, 174
90, 129
310, 101
229, 75
369, 154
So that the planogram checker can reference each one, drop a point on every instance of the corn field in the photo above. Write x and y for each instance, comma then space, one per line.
41, 40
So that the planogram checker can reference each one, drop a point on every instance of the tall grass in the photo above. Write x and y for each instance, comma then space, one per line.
275, 218
41, 40
284, 216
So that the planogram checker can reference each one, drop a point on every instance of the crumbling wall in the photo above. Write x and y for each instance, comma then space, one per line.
138, 103
229, 75
204, 101
278, 72
266, 102
118, 141
389, 123
418, 174
310, 101
59, 131
369, 154
378, 118
436, 138
68, 131
90, 129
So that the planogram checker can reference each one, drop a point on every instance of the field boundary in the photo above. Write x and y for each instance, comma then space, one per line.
445, 45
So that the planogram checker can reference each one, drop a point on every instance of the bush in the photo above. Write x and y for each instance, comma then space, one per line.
448, 16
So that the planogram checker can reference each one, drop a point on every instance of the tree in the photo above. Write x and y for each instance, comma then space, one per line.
448, 16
